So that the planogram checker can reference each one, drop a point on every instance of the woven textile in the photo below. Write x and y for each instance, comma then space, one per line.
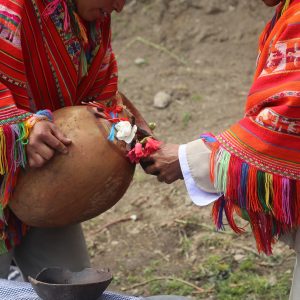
13, 290
257, 161
44, 65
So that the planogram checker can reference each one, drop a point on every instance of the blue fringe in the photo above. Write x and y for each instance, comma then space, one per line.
111, 135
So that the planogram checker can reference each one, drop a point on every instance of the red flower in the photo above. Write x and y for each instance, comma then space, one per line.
136, 153
131, 156
152, 145
139, 151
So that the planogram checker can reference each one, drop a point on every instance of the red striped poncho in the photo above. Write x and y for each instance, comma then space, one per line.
257, 161
41, 67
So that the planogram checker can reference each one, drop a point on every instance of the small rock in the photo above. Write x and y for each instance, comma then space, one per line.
135, 231
239, 257
162, 100
140, 61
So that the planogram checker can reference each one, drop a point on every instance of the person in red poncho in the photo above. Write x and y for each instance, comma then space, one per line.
53, 53
253, 168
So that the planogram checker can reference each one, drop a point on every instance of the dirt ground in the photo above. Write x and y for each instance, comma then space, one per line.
201, 52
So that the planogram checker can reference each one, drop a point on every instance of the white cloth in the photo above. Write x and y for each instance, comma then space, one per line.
199, 187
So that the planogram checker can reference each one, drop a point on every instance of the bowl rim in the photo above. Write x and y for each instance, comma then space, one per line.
104, 270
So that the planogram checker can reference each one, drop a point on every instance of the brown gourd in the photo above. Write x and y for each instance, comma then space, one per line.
86, 182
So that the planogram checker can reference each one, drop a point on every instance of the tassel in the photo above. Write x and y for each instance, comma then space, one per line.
217, 213
67, 20
84, 64
213, 155
261, 190
270, 202
229, 212
52, 7
111, 136
82, 29
277, 200
269, 190
243, 185
3, 161
286, 201
222, 163
252, 191
233, 179
9, 145
13, 139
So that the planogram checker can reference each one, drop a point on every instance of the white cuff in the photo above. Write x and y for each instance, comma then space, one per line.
198, 196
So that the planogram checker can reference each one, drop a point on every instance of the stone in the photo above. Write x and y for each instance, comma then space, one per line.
162, 100
239, 257
140, 61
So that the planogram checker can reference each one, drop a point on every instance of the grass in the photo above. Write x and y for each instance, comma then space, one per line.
222, 278
225, 275
169, 287
185, 243
235, 281
186, 119
196, 98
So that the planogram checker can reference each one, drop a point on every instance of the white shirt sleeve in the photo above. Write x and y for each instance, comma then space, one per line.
197, 195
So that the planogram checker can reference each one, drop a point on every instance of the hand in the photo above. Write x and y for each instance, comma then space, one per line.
44, 139
164, 164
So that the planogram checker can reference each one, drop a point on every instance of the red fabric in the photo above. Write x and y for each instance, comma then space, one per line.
39, 70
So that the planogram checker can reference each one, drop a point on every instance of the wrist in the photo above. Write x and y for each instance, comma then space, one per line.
41, 115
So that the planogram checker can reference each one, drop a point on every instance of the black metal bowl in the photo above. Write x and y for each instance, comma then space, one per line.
62, 284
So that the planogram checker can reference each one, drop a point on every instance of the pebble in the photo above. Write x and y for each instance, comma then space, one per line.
140, 61
239, 257
162, 100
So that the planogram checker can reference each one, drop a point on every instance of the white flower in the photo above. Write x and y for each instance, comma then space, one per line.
125, 132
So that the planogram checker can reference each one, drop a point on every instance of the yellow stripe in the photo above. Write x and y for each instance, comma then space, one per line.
285, 7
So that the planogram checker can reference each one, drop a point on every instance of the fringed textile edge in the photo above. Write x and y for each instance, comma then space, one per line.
13, 140
270, 202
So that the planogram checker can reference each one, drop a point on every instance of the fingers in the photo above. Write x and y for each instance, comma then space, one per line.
44, 140
55, 143
36, 161
46, 152
165, 179
59, 135
152, 170
163, 175
37, 158
146, 162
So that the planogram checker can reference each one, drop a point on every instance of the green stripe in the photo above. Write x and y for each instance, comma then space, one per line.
261, 190
15, 119
7, 19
